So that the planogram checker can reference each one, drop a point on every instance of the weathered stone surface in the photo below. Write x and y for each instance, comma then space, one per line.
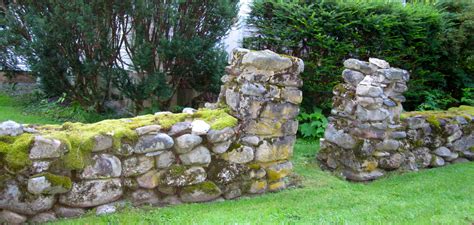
258, 186
361, 66
250, 140
143, 196
352, 77
443, 152
233, 193
416, 122
150, 179
288, 80
67, 212
151, 143
382, 64
225, 134
257, 174
105, 209
371, 115
392, 163
276, 186
171, 200
339, 138
12, 199
10, 128
232, 99
437, 161
454, 137
362, 176
187, 142
178, 176
43, 217
276, 110
203, 192
394, 74
200, 127
279, 170
165, 159
104, 166
240, 155
369, 91
253, 89
189, 111
137, 165
292, 95
278, 149
180, 128
422, 157
266, 60
92, 193
150, 129
102, 142
271, 127
44, 148
198, 156
221, 147
9, 217
388, 145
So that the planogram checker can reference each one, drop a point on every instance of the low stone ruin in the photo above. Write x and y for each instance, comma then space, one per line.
369, 136
240, 145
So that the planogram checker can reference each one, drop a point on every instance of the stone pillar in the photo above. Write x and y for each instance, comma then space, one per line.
365, 119
261, 89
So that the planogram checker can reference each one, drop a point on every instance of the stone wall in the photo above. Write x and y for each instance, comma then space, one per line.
369, 135
240, 145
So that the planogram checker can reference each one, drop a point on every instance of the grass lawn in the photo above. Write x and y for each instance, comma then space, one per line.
436, 196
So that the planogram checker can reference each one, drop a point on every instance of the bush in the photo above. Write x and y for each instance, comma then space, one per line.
433, 42
312, 125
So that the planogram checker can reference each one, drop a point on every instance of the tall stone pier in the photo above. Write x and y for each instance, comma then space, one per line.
368, 135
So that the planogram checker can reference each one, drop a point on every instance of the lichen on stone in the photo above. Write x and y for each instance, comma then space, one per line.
463, 110
218, 118
207, 187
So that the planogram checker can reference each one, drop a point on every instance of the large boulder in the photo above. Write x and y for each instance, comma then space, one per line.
152, 143
187, 142
198, 156
10, 128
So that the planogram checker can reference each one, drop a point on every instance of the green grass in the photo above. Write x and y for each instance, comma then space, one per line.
437, 196
11, 109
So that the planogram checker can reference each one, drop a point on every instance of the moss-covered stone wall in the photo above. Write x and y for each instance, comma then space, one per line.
369, 135
223, 151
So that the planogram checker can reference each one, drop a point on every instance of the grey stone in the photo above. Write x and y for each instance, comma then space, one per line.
232, 99
187, 142
361, 66
227, 172
168, 190
258, 174
102, 142
92, 193
180, 128
12, 199
67, 212
200, 192
369, 102
451, 157
10, 128
339, 138
150, 129
461, 160
388, 145
288, 80
151, 143
369, 91
398, 135
175, 177
240, 155
104, 166
463, 144
150, 179
44, 148
443, 152
40, 166
455, 136
422, 157
171, 200
279, 170
250, 140
258, 187
371, 115
278, 110
105, 209
362, 176
165, 160
125, 149
189, 111
143, 196
9, 217
379, 63
292, 95
225, 134
200, 127
198, 156
163, 113
266, 60
352, 77
391, 163
137, 165
437, 161
416, 122
221, 147
43, 217
394, 74
233, 193
253, 89
389, 103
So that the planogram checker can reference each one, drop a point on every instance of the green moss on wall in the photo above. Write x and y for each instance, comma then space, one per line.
218, 118
14, 151
57, 180
207, 187
464, 111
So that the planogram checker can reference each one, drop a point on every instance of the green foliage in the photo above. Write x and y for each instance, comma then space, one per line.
468, 96
433, 42
436, 100
312, 125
